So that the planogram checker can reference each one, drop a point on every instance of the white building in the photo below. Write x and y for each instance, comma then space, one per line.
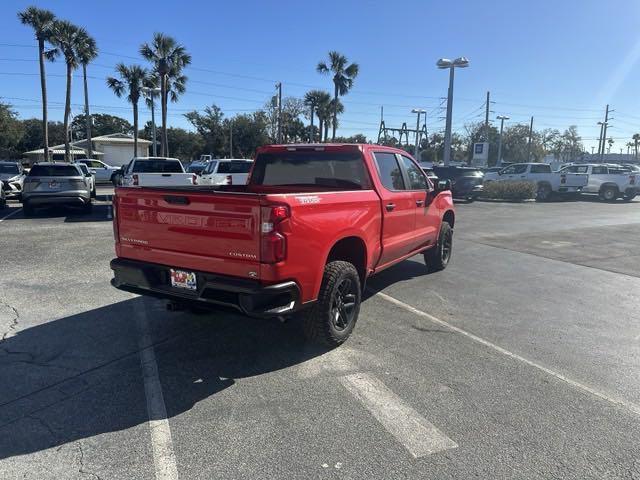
115, 149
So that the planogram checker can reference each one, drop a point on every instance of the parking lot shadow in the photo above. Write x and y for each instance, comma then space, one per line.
79, 376
406, 270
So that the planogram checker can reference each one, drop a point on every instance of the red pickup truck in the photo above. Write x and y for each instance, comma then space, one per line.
303, 235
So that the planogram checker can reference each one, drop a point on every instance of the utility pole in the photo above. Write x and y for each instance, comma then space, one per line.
502, 118
486, 121
592, 147
529, 144
604, 131
416, 149
279, 87
231, 139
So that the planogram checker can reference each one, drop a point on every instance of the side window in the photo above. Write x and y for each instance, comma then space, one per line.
540, 168
416, 178
599, 171
389, 171
518, 169
509, 170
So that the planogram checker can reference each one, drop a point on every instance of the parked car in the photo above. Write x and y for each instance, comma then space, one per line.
226, 171
53, 183
3, 198
104, 173
12, 176
312, 224
548, 182
609, 182
156, 172
466, 182
196, 167
433, 178
118, 176
89, 178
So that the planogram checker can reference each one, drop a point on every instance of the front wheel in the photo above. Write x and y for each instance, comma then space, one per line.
544, 192
333, 317
437, 258
609, 194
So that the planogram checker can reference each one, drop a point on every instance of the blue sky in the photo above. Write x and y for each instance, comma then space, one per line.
560, 61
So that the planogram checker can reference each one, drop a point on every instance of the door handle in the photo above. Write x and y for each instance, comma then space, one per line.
390, 207
419, 203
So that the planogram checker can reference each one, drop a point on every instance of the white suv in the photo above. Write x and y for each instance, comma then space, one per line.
226, 171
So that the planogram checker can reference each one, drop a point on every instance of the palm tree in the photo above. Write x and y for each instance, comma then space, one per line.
326, 112
168, 58
67, 37
313, 99
323, 111
87, 51
636, 139
343, 76
41, 21
132, 80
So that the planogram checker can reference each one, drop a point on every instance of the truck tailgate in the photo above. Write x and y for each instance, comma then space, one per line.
209, 231
575, 180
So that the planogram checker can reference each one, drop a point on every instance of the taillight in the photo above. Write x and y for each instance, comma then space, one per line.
632, 179
194, 179
273, 244
136, 180
229, 180
115, 219
563, 178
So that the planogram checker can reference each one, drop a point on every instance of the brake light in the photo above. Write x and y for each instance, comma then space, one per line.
273, 244
632, 179
136, 180
116, 233
194, 179
229, 180
563, 178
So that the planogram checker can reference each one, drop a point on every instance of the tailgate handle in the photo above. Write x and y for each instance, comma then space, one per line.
177, 199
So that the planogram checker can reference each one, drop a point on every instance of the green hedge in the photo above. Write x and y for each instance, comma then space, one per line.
510, 190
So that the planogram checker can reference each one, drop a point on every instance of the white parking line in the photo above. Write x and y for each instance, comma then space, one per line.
408, 427
630, 406
164, 458
9, 215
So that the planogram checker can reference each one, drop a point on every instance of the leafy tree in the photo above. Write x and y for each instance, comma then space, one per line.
41, 21
11, 132
132, 80
475, 132
102, 124
183, 144
357, 138
292, 108
210, 126
636, 139
87, 51
343, 76
568, 145
68, 38
168, 58
515, 144
249, 133
33, 134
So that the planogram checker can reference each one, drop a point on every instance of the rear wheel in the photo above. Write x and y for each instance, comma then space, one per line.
544, 192
437, 258
609, 194
333, 317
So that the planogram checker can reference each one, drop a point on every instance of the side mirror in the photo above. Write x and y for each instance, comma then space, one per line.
88, 175
443, 185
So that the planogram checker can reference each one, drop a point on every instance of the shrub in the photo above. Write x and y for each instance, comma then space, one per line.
510, 190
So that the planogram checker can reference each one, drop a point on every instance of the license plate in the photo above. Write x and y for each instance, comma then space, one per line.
183, 279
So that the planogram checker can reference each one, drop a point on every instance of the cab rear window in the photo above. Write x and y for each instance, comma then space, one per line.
234, 167
157, 166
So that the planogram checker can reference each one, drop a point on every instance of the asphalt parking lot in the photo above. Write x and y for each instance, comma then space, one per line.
520, 360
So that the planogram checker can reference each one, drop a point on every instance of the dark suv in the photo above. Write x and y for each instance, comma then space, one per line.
466, 182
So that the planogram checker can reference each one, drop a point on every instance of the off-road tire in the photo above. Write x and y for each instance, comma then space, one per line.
437, 258
319, 321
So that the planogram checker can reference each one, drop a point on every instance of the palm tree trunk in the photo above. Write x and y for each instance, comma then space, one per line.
165, 143
67, 113
636, 145
335, 111
311, 135
326, 129
135, 128
87, 115
43, 87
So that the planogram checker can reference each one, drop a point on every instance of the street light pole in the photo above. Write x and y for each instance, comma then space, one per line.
502, 118
443, 63
417, 147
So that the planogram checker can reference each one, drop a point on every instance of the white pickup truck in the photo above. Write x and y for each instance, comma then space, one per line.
608, 181
156, 172
548, 181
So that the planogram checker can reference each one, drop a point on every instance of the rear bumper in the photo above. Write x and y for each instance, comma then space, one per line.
49, 199
249, 296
